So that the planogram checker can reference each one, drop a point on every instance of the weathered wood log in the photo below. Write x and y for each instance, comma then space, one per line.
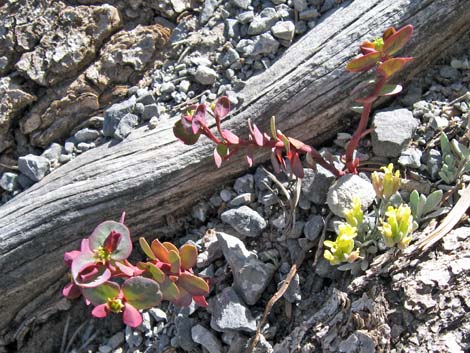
151, 175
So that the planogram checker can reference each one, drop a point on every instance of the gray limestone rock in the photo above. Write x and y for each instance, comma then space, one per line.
205, 75
115, 113
206, 339
245, 221
86, 135
251, 276
284, 30
150, 111
53, 152
228, 57
229, 313
313, 227
34, 167
245, 184
411, 157
9, 181
263, 21
125, 126
316, 184
243, 4
392, 132
342, 193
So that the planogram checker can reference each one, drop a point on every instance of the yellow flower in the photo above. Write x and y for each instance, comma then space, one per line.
397, 227
342, 249
387, 184
354, 216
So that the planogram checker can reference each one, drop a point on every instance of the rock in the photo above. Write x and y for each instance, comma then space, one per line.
449, 72
13, 99
392, 132
263, 21
439, 122
70, 47
34, 167
9, 181
308, 15
150, 111
262, 180
212, 250
153, 122
245, 184
243, 4
167, 88
325, 270
342, 193
316, 184
229, 313
411, 157
246, 17
242, 199
313, 227
228, 57
293, 293
433, 160
284, 30
114, 114
232, 28
53, 152
245, 221
206, 339
300, 5
180, 5
205, 75
265, 44
123, 60
158, 314
328, 5
125, 126
208, 10
86, 135
226, 195
358, 341
183, 334
200, 211
24, 181
116, 340
250, 275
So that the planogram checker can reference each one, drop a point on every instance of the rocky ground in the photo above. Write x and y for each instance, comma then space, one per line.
56, 103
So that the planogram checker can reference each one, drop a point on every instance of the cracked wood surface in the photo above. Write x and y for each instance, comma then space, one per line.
151, 175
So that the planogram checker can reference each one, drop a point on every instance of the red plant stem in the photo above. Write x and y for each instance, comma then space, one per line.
358, 134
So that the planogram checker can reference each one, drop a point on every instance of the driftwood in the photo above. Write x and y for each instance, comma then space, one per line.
151, 175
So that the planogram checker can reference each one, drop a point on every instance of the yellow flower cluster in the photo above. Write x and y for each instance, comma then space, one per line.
355, 216
388, 184
341, 250
397, 227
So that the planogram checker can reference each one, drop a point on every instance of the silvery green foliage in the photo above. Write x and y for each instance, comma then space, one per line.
455, 159
422, 205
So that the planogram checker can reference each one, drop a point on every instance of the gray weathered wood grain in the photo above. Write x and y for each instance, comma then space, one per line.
151, 175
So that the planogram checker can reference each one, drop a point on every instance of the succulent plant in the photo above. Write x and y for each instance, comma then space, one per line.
172, 269
387, 184
136, 293
342, 249
422, 205
455, 159
397, 226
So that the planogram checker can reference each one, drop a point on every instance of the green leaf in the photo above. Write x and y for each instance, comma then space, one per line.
100, 295
414, 200
421, 205
169, 290
146, 248
364, 62
193, 284
390, 90
273, 127
433, 201
188, 254
99, 235
398, 40
157, 274
181, 134
142, 293
445, 145
175, 261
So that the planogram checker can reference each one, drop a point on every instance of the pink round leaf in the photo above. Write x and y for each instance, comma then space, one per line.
222, 107
100, 311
